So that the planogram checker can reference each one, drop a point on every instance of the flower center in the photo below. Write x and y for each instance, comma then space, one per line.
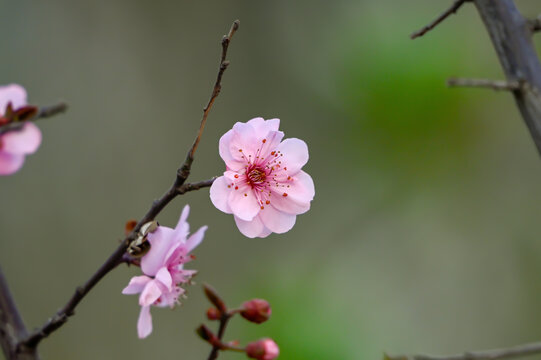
256, 176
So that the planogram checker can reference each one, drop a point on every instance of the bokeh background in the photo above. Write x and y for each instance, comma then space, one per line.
423, 236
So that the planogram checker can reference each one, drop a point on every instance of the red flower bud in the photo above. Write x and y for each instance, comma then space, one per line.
213, 314
264, 349
256, 310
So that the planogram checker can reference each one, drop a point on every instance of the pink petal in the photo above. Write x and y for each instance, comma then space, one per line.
150, 294
277, 221
24, 141
10, 163
295, 153
263, 127
13, 93
299, 194
252, 229
136, 285
233, 160
219, 194
195, 239
164, 277
144, 323
161, 241
183, 228
243, 202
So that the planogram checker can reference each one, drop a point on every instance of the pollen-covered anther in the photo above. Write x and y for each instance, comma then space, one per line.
264, 141
284, 195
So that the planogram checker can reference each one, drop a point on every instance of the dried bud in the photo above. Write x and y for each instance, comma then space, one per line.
213, 314
205, 333
264, 349
256, 310
214, 298
130, 225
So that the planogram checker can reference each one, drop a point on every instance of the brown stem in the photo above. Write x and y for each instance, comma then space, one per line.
507, 353
11, 325
43, 113
221, 331
177, 188
453, 9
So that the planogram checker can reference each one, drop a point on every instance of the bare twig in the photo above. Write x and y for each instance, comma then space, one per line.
43, 113
498, 85
177, 188
507, 353
453, 9
217, 85
224, 319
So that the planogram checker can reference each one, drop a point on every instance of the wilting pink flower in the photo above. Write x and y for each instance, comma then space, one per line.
164, 271
15, 144
263, 185
264, 349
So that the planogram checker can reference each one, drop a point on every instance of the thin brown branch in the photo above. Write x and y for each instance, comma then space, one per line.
217, 85
498, 85
224, 319
496, 354
43, 113
177, 188
453, 9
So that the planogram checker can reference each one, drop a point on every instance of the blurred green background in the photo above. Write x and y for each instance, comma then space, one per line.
423, 233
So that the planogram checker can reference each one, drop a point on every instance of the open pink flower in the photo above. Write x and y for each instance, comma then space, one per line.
263, 185
14, 145
164, 271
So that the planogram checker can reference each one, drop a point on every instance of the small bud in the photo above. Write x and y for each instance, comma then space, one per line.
256, 310
264, 349
213, 314
130, 225
205, 333
214, 298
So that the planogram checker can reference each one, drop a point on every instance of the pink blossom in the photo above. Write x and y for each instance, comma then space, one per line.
264, 349
263, 185
163, 268
14, 145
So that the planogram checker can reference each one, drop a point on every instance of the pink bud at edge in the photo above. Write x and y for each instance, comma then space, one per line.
264, 349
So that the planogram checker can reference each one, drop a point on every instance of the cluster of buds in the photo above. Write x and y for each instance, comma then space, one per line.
255, 310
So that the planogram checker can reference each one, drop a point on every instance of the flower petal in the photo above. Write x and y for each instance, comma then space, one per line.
10, 163
164, 277
144, 323
195, 239
295, 154
161, 241
136, 285
253, 228
219, 194
13, 93
24, 141
277, 221
243, 202
299, 194
233, 160
262, 127
150, 294
183, 228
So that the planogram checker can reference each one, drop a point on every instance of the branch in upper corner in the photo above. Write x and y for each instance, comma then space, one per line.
453, 9
498, 85
42, 113
496, 354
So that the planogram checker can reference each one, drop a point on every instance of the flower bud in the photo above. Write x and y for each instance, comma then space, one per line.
213, 314
264, 349
256, 310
